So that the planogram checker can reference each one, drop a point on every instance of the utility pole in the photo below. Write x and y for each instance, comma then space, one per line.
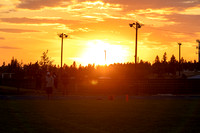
198, 47
62, 36
137, 25
179, 58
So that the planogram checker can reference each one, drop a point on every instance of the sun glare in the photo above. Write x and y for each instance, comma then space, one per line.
101, 53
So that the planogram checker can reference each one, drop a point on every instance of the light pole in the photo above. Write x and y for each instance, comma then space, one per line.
198, 47
105, 55
62, 36
179, 58
137, 25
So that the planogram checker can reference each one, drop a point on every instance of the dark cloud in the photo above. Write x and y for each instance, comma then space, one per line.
9, 11
193, 20
7, 47
17, 30
144, 4
129, 4
2, 38
185, 23
38, 4
37, 21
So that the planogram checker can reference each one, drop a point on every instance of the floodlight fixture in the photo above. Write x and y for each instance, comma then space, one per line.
131, 25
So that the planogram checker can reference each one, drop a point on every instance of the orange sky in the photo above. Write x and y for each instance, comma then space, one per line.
30, 27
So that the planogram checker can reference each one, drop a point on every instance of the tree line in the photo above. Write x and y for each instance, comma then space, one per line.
160, 68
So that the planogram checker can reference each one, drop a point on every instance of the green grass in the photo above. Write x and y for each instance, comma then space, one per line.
7, 90
100, 116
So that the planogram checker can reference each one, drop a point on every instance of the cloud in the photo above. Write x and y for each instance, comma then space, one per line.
17, 30
179, 35
37, 20
155, 14
191, 11
144, 4
92, 10
2, 38
190, 1
185, 20
7, 47
77, 12
97, 5
7, 6
38, 4
161, 11
146, 10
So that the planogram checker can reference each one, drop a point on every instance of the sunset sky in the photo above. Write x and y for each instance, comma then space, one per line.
30, 27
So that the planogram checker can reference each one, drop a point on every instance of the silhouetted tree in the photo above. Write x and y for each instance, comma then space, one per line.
157, 59
164, 64
45, 61
164, 59
157, 66
173, 60
31, 70
115, 71
14, 66
173, 65
74, 64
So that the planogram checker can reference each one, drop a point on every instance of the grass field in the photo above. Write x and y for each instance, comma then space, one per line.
100, 116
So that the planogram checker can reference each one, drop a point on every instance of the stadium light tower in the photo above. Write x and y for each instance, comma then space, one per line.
62, 36
179, 58
198, 47
136, 26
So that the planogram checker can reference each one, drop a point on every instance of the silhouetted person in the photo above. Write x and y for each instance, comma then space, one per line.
55, 80
49, 84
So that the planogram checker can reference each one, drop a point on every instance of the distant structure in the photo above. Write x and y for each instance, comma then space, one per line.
179, 58
62, 36
7, 75
105, 55
137, 25
198, 47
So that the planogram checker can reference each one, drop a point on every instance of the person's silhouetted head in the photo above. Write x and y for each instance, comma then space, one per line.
48, 73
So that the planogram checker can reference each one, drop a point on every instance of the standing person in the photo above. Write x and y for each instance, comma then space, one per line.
55, 77
49, 84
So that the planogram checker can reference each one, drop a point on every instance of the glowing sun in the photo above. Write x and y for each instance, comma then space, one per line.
101, 53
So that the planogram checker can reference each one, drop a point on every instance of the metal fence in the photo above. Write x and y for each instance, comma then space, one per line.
116, 86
